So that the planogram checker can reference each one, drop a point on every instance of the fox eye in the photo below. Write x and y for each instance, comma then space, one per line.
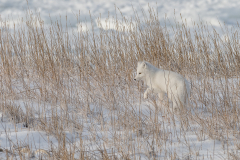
139, 73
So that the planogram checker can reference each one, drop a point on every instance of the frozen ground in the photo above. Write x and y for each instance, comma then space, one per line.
96, 131
213, 11
176, 141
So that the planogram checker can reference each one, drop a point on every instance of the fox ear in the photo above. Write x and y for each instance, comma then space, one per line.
144, 65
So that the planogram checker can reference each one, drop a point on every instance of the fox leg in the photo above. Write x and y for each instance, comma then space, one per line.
145, 96
161, 95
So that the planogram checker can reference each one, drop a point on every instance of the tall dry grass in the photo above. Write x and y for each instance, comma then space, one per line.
67, 79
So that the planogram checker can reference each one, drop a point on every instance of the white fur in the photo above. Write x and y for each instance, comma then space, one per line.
164, 82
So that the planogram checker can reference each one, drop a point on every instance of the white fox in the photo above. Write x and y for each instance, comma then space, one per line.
164, 82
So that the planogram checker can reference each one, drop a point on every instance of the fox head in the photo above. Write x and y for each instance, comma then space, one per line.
141, 67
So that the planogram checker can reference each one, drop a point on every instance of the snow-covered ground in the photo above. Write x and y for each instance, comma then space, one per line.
95, 128
212, 11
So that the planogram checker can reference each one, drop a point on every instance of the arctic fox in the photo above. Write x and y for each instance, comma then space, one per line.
164, 82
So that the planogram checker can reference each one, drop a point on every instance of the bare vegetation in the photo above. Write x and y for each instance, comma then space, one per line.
78, 87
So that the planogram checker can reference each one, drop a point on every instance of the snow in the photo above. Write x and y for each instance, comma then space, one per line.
186, 143
212, 11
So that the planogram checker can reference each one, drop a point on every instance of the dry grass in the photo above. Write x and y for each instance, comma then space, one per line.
67, 80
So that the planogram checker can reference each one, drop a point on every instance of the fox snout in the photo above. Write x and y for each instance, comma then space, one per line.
136, 78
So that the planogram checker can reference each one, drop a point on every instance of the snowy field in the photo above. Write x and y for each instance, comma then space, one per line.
105, 128
96, 124
212, 11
